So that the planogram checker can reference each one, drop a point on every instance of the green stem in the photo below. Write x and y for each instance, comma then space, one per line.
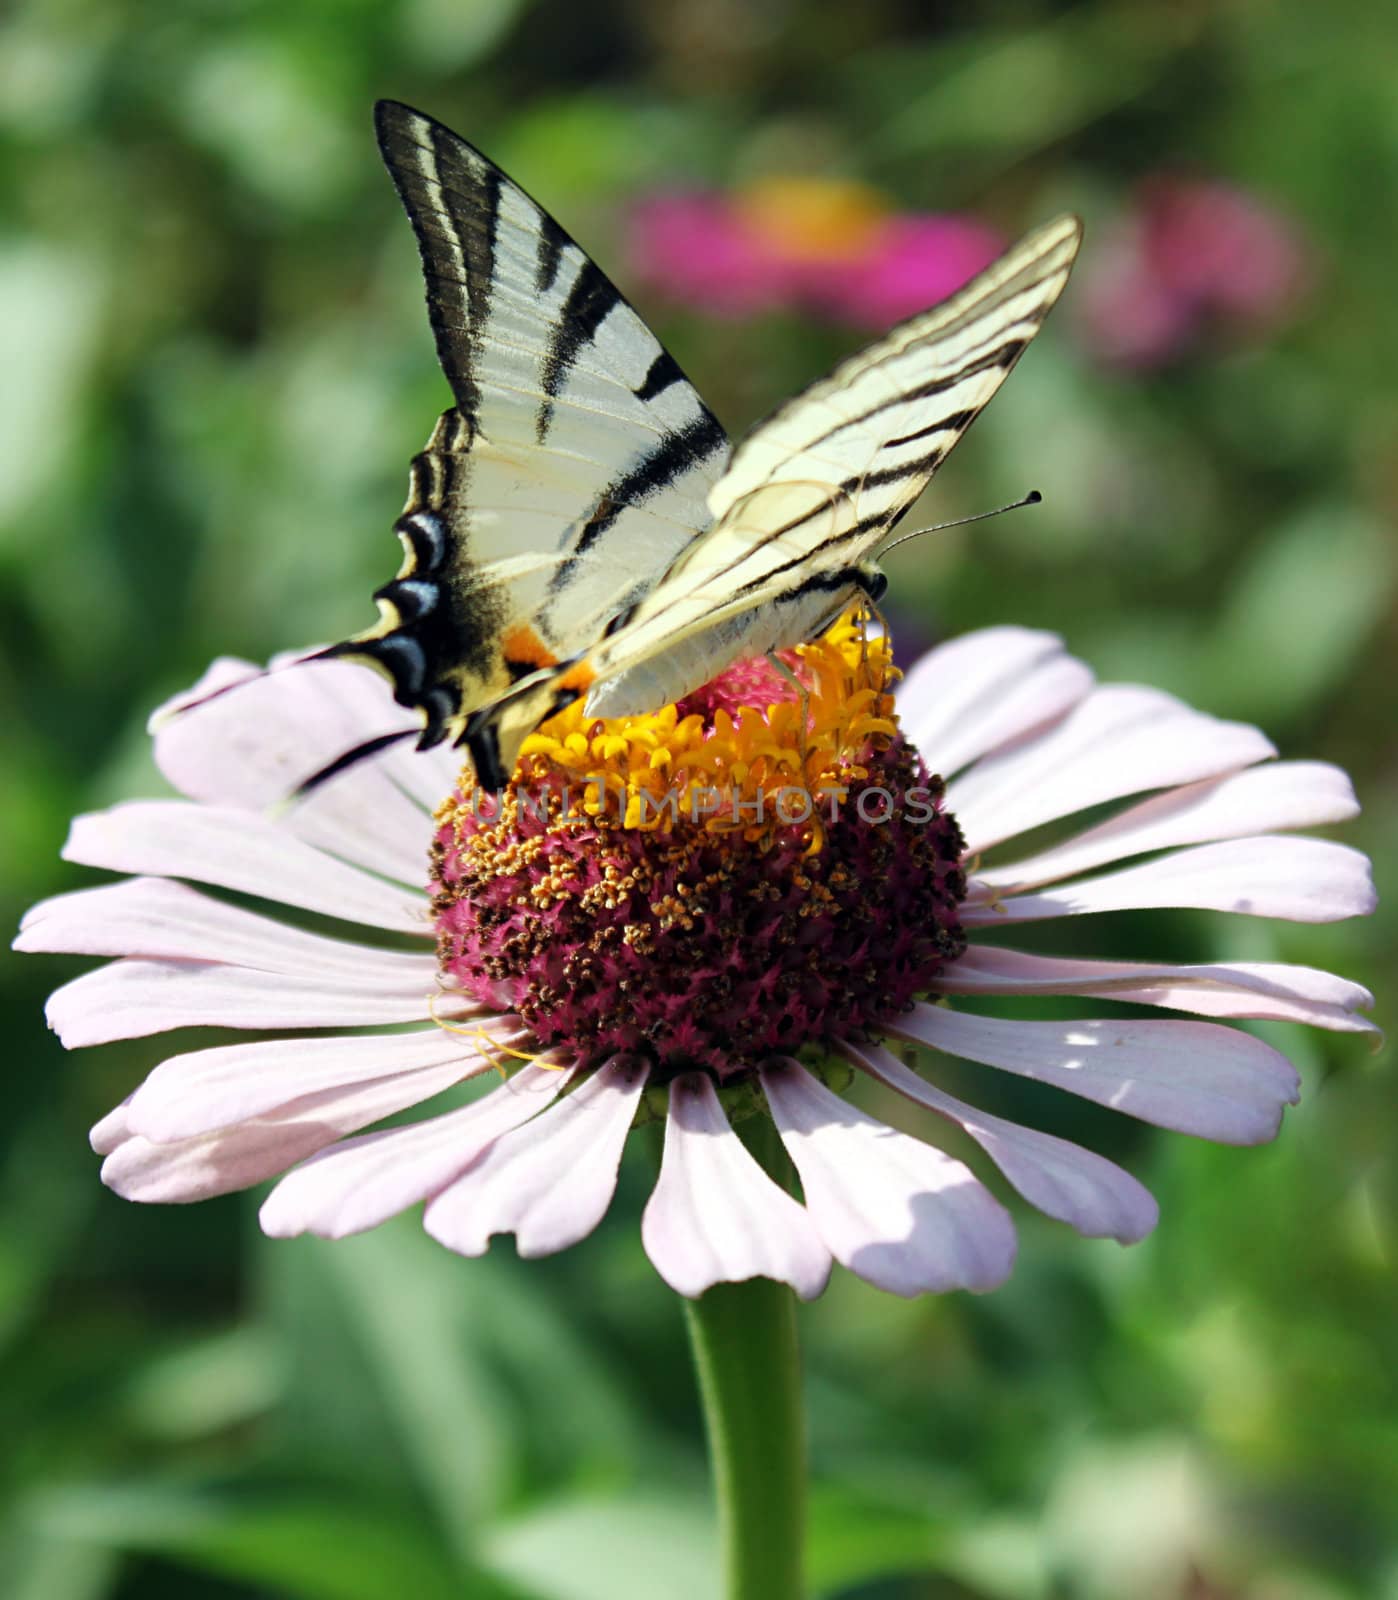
748, 1359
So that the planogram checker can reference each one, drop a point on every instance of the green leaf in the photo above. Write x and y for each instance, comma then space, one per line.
306, 1547
630, 1548
1010, 92
1301, 614
853, 1540
33, 1567
409, 1308
207, 1385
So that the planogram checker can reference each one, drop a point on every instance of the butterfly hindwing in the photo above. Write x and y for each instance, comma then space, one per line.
573, 468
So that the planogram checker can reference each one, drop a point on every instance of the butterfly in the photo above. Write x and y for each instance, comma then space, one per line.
578, 523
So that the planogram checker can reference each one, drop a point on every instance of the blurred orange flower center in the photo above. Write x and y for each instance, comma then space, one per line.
813, 218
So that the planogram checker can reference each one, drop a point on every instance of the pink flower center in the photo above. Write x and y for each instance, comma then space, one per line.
762, 921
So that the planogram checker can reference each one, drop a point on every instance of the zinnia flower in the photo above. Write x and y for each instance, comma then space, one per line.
678, 915
1191, 257
831, 248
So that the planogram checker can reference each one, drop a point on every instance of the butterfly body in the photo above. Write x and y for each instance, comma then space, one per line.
577, 523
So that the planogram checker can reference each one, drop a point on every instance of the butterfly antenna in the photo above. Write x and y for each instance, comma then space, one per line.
1031, 499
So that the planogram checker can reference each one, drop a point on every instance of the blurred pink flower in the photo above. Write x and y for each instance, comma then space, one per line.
919, 261
695, 250
820, 245
1191, 257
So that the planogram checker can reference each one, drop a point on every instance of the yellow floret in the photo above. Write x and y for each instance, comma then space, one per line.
612, 762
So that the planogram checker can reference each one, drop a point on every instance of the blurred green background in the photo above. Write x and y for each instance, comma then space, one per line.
214, 366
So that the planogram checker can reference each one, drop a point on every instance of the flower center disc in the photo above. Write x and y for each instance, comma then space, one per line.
711, 884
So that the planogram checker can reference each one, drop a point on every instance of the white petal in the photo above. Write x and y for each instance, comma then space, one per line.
715, 1216
1120, 740
1195, 1077
1076, 1186
129, 999
218, 1163
251, 748
209, 1089
1272, 798
207, 753
1272, 990
550, 1182
896, 1211
1302, 880
162, 920
221, 673
973, 694
364, 1181
111, 1130
238, 850
367, 697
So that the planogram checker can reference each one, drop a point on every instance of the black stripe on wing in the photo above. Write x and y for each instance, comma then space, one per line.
592, 298
1003, 357
673, 456
455, 237
552, 242
663, 374
460, 203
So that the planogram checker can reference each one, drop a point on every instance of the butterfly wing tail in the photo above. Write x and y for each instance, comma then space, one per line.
495, 734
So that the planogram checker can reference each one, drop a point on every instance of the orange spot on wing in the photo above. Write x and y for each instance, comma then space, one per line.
524, 648
581, 676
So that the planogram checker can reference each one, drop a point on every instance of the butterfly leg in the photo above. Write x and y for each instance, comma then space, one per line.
803, 700
871, 584
870, 612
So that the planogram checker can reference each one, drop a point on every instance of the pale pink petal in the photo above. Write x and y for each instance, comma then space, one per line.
1302, 880
251, 747
208, 1089
973, 694
243, 851
715, 1216
899, 1213
163, 920
1267, 799
1271, 990
364, 1181
363, 696
549, 1182
128, 999
218, 1163
1118, 741
221, 673
1194, 1077
367, 699
110, 1131
1085, 1190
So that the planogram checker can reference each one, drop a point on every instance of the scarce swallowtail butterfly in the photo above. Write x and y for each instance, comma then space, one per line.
578, 524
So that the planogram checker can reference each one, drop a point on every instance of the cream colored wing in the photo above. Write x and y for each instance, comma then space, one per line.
573, 468
814, 492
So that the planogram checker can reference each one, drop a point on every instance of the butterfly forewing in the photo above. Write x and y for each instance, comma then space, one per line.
575, 442
855, 450
883, 421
